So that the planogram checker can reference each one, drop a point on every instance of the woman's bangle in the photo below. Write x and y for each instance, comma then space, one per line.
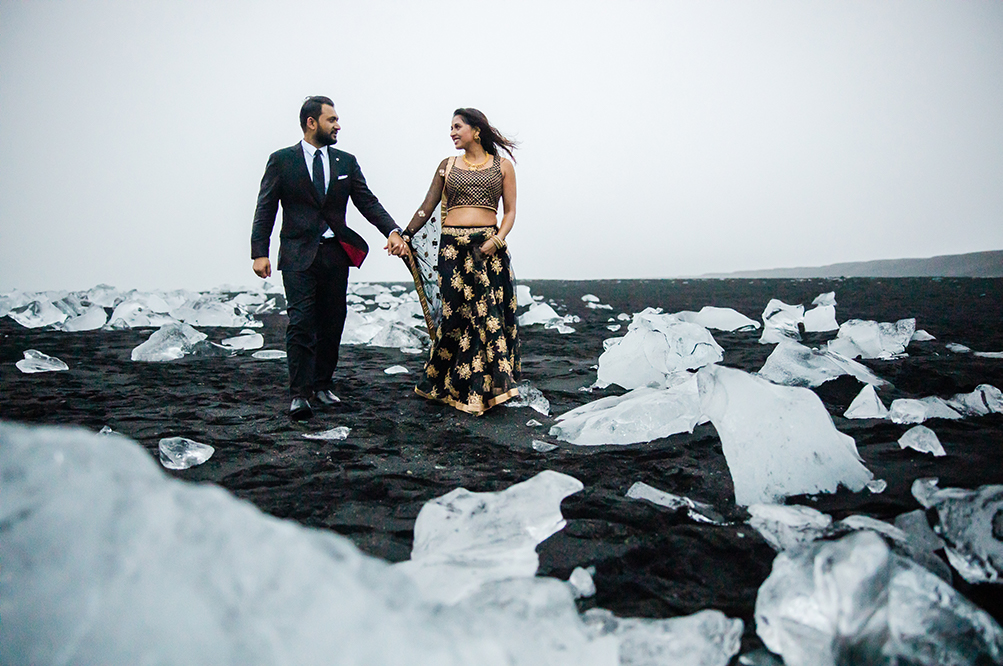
499, 242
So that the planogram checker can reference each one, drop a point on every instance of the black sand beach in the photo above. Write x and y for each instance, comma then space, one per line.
404, 451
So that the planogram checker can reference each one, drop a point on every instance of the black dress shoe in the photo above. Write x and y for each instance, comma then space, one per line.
327, 397
300, 409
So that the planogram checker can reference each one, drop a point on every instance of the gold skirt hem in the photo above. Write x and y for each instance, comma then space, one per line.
463, 407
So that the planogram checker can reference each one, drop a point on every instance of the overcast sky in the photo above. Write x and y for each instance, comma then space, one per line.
658, 139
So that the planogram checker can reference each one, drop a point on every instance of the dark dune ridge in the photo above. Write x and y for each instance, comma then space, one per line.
973, 264
404, 451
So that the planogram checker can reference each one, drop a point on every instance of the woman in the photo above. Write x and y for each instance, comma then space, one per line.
474, 361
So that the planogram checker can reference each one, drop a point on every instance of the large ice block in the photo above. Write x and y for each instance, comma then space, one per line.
656, 347
207, 311
92, 318
870, 339
780, 322
969, 521
853, 601
137, 314
397, 335
640, 415
168, 343
465, 539
35, 361
909, 410
538, 313
985, 399
523, 296
721, 319
822, 317
37, 313
778, 440
793, 364
867, 405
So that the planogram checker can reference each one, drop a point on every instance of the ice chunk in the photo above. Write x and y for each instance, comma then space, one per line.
396, 334
922, 439
780, 322
985, 399
104, 295
867, 405
92, 318
641, 415
921, 336
182, 453
614, 327
581, 582
721, 319
533, 423
590, 298
367, 288
523, 296
877, 486
37, 313
971, 522
140, 312
207, 311
36, 361
464, 539
706, 638
854, 601
785, 527
396, 370
697, 511
870, 339
269, 354
793, 364
998, 354
958, 348
530, 396
822, 317
539, 313
334, 434
909, 410
169, 342
245, 341
542, 446
923, 543
778, 440
656, 346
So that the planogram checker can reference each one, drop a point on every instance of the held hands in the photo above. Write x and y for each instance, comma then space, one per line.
262, 267
488, 248
396, 245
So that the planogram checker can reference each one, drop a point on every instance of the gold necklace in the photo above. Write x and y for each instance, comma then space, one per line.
475, 166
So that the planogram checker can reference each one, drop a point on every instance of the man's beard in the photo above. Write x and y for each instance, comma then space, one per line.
328, 139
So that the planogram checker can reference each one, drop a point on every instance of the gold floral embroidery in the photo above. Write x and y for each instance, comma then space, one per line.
463, 370
502, 345
465, 341
431, 371
496, 265
447, 312
505, 365
444, 354
499, 295
468, 264
468, 292
449, 252
487, 383
493, 324
457, 282
462, 240
478, 363
513, 304
465, 312
476, 402
482, 309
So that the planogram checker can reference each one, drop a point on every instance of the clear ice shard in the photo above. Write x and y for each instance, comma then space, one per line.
182, 453
37, 313
985, 399
246, 340
921, 336
922, 439
397, 335
334, 434
853, 601
538, 313
778, 440
269, 354
581, 582
396, 370
35, 361
793, 364
706, 638
909, 410
721, 319
697, 511
971, 523
870, 339
542, 446
867, 405
111, 534
822, 317
465, 539
530, 396
208, 311
780, 322
91, 319
786, 527
656, 347
168, 343
640, 415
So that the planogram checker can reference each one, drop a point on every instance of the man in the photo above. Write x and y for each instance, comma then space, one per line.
313, 182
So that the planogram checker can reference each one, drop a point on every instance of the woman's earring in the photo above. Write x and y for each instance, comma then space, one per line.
477, 136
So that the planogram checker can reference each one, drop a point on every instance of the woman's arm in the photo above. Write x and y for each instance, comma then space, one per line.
432, 199
508, 204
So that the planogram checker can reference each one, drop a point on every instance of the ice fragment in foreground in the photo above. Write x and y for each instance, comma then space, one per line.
922, 439
778, 440
334, 434
655, 347
542, 446
971, 522
867, 405
530, 396
182, 453
36, 361
785, 527
396, 334
641, 415
396, 370
706, 638
985, 399
793, 364
721, 319
853, 601
169, 342
822, 317
870, 339
581, 582
464, 539
697, 511
780, 322
269, 354
908, 410
247, 340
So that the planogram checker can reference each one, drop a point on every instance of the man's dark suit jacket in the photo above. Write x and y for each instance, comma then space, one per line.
304, 216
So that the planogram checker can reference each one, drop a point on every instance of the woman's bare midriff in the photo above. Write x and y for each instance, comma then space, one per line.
471, 216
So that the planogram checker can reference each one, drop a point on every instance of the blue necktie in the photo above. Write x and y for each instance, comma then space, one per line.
318, 174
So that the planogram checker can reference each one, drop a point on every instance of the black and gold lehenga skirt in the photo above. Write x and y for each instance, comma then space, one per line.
474, 361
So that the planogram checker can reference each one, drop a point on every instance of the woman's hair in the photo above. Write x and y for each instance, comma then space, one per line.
491, 138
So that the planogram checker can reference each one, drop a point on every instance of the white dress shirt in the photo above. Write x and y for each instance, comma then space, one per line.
308, 153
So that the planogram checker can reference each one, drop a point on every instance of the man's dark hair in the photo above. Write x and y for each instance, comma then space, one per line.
311, 108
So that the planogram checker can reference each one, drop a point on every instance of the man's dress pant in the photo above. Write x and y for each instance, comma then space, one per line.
315, 303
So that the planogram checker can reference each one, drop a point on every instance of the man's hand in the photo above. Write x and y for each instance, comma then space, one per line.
396, 245
262, 267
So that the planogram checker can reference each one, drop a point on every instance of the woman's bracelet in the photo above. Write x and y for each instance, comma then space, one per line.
499, 242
